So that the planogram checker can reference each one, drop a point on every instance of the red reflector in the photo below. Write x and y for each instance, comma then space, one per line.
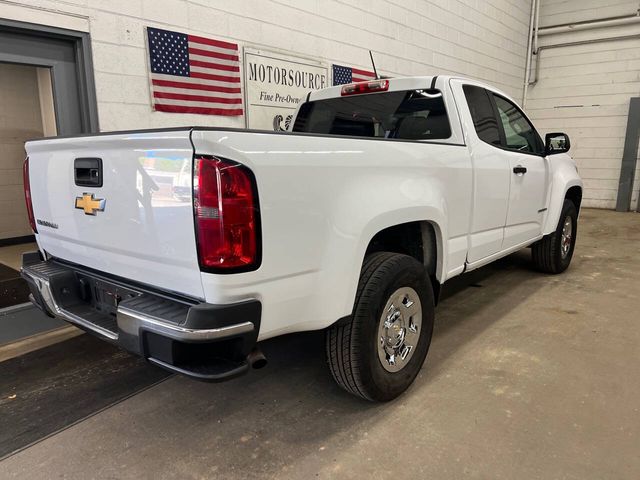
27, 194
365, 87
225, 208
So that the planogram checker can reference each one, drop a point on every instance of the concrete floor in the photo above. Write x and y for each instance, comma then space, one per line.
529, 376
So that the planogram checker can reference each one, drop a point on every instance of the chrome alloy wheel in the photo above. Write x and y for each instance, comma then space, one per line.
399, 329
567, 236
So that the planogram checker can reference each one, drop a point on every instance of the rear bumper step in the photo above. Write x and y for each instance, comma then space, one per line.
203, 341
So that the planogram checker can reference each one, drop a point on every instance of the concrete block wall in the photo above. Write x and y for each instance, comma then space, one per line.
584, 90
558, 12
481, 39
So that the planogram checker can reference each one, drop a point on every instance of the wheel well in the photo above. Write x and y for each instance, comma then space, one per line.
575, 195
416, 239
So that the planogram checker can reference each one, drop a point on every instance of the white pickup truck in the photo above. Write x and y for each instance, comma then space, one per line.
351, 222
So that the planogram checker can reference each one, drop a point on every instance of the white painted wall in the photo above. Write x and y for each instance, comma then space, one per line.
557, 12
481, 39
585, 90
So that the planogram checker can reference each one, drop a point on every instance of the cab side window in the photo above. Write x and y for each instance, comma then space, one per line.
482, 114
519, 134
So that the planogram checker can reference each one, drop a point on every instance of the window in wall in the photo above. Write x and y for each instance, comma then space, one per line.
482, 114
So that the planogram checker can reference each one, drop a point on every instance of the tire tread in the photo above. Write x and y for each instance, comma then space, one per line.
341, 339
545, 253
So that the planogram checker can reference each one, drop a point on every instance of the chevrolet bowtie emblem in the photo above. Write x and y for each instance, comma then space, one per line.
89, 204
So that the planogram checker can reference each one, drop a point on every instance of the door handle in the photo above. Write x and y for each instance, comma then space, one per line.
519, 170
88, 172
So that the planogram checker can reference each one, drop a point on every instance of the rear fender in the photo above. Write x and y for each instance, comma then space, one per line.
345, 252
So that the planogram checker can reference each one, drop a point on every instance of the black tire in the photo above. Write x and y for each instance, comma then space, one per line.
352, 344
547, 253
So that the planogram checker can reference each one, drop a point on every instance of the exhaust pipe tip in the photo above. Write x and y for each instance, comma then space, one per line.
257, 359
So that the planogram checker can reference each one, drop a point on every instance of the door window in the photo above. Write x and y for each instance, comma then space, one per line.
519, 134
482, 114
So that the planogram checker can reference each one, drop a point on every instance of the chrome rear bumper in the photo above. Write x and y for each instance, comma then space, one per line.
204, 341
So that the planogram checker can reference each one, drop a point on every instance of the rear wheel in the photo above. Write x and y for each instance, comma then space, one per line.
378, 352
553, 253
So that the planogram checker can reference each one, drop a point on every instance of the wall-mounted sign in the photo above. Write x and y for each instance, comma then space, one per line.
275, 84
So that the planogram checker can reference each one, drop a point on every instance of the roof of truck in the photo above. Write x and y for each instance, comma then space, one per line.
395, 84
405, 83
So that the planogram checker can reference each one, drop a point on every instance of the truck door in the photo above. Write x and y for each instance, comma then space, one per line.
491, 174
529, 172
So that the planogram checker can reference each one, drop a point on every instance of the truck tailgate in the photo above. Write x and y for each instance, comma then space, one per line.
145, 231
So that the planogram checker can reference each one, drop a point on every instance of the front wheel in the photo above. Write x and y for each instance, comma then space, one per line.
553, 253
378, 351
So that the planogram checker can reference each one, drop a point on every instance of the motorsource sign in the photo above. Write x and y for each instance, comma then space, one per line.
275, 84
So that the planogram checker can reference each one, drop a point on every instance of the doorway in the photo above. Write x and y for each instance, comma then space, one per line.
46, 89
26, 96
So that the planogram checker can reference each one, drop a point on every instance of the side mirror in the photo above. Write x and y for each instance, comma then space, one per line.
556, 143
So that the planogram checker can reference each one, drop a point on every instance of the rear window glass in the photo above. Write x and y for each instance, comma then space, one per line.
408, 115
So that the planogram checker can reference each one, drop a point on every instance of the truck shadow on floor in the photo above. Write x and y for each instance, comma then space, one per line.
294, 400
250, 423
469, 304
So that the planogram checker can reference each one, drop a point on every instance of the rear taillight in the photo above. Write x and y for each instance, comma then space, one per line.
27, 194
365, 87
226, 215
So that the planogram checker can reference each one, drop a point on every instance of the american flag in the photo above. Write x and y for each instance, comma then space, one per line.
342, 75
191, 74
